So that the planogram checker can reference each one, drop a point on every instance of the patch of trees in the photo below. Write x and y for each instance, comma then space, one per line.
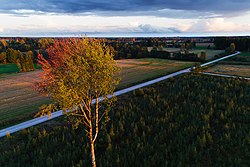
241, 43
135, 51
24, 61
184, 121
129, 51
176, 56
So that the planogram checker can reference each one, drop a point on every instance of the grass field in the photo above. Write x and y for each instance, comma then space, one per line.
8, 68
200, 48
204, 45
12, 68
238, 70
138, 70
18, 100
210, 52
17, 97
241, 59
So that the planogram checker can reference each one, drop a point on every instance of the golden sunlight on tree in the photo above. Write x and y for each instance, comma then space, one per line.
77, 72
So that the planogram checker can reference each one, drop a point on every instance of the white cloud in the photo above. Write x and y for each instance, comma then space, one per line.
26, 12
134, 24
218, 25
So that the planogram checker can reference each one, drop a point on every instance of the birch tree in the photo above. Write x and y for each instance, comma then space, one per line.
77, 73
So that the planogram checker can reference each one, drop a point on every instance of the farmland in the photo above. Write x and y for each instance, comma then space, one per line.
238, 65
241, 59
18, 100
183, 121
209, 52
238, 70
138, 70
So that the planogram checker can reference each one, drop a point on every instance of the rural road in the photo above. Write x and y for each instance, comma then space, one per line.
36, 121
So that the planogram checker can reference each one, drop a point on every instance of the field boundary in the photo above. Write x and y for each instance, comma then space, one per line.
225, 75
36, 121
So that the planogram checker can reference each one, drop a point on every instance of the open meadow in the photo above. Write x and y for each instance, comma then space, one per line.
241, 59
238, 65
238, 70
138, 70
19, 102
210, 52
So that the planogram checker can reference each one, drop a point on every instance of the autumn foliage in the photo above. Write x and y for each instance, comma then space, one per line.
78, 72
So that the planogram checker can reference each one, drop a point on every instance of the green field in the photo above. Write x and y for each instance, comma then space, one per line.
241, 59
189, 120
12, 68
210, 52
8, 68
19, 102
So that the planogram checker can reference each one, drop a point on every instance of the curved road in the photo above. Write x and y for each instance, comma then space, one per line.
36, 121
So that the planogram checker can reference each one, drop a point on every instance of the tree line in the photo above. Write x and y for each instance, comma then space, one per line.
241, 43
23, 51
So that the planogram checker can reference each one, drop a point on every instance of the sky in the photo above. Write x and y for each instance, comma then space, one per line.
120, 17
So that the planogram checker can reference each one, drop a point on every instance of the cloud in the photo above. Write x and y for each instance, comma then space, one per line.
218, 25
163, 8
148, 28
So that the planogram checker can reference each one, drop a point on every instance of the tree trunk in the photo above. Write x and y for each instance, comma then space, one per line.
93, 153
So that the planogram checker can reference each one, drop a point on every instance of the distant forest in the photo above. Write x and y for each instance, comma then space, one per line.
24, 51
242, 44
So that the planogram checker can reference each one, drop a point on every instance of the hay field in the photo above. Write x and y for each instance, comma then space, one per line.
17, 97
19, 102
238, 70
138, 70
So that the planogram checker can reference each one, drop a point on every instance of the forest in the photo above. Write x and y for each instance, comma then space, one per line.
242, 43
190, 120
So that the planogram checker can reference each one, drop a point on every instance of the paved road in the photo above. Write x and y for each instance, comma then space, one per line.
59, 113
224, 75
219, 59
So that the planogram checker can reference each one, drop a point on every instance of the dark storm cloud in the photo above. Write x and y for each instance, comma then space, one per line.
127, 7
